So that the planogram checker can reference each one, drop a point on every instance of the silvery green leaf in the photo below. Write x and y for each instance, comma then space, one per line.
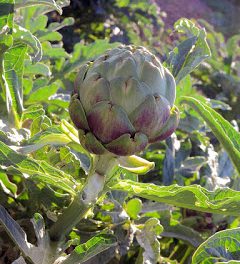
25, 36
222, 247
26, 3
147, 238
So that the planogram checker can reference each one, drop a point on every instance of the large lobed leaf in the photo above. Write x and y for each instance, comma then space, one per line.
222, 247
221, 201
35, 169
222, 129
189, 53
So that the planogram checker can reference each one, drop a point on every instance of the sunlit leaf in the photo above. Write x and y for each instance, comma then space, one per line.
7, 185
91, 248
133, 207
43, 93
222, 200
189, 53
36, 69
36, 169
12, 72
25, 3
24, 36
33, 112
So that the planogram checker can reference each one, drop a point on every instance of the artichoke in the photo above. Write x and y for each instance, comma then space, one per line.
122, 101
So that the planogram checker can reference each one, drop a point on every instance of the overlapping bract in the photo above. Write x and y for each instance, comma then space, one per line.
122, 101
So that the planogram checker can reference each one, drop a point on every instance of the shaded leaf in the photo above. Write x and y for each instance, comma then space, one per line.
18, 235
222, 129
6, 15
222, 247
20, 260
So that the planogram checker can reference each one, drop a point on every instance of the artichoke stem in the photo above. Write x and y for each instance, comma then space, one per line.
84, 200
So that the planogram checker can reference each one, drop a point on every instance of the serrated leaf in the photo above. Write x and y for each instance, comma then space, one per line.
52, 136
222, 200
40, 123
189, 53
53, 51
33, 112
36, 169
222, 129
39, 23
12, 72
91, 248
222, 247
42, 94
25, 36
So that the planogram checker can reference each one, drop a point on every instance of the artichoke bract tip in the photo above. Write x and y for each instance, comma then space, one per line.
122, 101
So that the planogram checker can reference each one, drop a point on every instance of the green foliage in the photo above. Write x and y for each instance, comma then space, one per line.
222, 129
221, 201
163, 216
222, 247
189, 53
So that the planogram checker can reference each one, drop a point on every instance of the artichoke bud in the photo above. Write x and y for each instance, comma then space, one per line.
122, 101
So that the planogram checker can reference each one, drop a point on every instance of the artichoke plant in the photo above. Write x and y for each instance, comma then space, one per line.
122, 101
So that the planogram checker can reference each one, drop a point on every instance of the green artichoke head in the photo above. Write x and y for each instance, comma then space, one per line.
122, 101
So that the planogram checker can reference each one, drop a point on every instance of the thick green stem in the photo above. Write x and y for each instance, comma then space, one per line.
84, 200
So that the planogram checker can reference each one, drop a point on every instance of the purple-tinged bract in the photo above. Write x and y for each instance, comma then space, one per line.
122, 101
